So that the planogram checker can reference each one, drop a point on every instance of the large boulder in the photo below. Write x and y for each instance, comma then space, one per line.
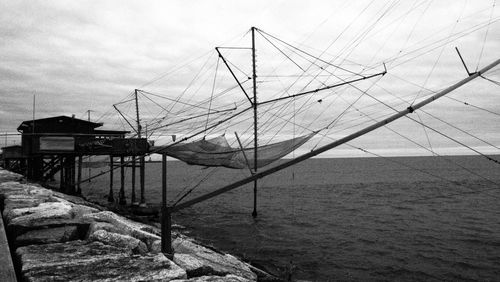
12, 187
48, 236
94, 261
6, 175
119, 240
97, 225
126, 226
215, 278
199, 260
76, 200
16, 201
41, 214
37, 256
29, 207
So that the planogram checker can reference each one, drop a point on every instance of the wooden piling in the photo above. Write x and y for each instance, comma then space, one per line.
110, 194
166, 215
122, 199
79, 177
133, 199
72, 170
141, 176
61, 174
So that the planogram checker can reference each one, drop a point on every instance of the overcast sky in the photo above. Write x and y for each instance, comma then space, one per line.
76, 56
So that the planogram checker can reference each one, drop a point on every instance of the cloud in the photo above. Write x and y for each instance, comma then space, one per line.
80, 55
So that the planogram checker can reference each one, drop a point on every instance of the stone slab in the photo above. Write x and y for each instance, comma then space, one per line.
199, 260
80, 261
214, 278
126, 226
6, 175
119, 240
48, 236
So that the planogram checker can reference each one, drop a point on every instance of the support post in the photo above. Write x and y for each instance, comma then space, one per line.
133, 199
254, 78
166, 215
110, 194
79, 176
61, 173
29, 175
66, 175
141, 159
141, 179
72, 172
122, 199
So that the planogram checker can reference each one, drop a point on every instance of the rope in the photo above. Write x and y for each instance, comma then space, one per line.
434, 153
308, 54
456, 141
433, 175
471, 105
426, 134
490, 80
440, 54
461, 130
212, 93
438, 43
485, 36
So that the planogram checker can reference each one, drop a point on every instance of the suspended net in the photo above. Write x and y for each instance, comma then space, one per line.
217, 152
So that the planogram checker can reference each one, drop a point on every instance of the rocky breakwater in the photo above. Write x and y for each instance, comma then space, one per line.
57, 237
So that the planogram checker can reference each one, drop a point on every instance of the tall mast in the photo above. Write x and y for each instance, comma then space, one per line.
137, 114
254, 79
142, 164
90, 130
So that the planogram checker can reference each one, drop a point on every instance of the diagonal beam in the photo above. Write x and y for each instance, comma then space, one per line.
234, 76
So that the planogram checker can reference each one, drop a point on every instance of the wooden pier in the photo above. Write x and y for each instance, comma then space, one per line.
59, 145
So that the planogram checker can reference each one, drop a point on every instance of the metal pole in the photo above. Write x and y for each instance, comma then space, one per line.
166, 216
232, 73
137, 115
254, 78
110, 195
134, 201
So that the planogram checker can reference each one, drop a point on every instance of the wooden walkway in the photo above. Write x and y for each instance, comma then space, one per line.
7, 272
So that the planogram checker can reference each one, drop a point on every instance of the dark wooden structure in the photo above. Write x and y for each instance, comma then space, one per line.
13, 158
56, 144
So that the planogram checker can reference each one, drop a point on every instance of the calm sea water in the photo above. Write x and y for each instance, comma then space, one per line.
364, 219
